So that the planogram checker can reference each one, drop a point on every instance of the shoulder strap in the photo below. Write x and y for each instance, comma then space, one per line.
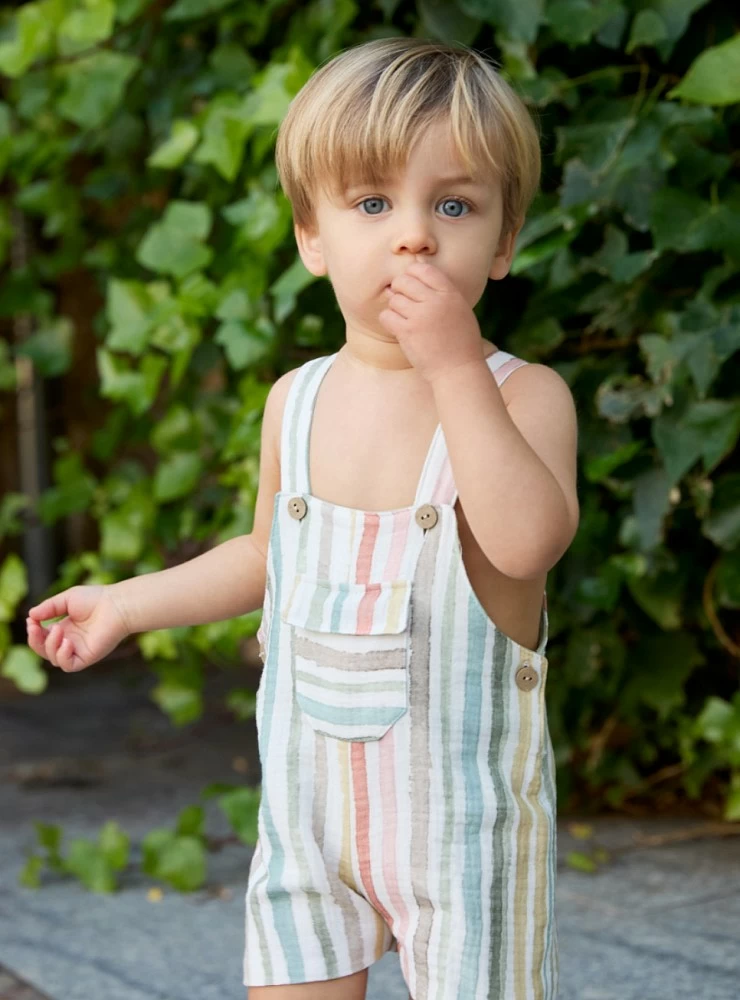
296, 426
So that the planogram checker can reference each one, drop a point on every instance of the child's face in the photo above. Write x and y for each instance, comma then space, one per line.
368, 235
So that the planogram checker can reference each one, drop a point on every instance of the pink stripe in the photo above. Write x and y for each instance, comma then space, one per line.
362, 826
366, 607
387, 750
507, 368
399, 535
444, 488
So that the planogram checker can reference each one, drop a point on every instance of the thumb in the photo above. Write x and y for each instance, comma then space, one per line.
49, 608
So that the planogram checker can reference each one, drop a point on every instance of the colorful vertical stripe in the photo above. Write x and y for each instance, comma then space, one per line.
433, 833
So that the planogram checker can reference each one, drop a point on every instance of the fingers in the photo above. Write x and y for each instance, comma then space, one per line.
52, 607
54, 647
411, 287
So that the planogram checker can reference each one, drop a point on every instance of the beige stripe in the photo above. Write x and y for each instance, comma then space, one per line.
524, 829
345, 861
541, 869
419, 759
340, 659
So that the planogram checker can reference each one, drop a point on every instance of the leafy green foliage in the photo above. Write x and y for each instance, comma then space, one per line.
136, 144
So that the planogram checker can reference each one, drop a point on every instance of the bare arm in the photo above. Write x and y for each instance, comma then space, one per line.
515, 466
226, 581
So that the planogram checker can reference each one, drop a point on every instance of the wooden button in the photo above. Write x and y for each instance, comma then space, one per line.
297, 507
426, 516
526, 678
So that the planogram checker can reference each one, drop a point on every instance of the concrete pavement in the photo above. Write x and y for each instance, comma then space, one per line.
657, 923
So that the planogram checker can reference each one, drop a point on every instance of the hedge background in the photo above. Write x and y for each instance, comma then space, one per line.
150, 278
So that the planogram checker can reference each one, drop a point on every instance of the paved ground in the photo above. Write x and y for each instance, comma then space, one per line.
658, 923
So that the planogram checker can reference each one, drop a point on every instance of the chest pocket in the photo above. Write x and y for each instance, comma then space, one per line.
350, 645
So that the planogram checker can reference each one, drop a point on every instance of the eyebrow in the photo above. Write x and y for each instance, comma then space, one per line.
456, 179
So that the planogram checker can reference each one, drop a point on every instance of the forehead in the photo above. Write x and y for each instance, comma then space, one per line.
432, 161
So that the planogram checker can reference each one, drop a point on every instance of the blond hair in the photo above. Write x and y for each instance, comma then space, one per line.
358, 115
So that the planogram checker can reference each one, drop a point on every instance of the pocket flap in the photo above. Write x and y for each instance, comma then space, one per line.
348, 608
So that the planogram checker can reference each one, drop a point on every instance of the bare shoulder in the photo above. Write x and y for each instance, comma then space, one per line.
541, 404
272, 418
269, 467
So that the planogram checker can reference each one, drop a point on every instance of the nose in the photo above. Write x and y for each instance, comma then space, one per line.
414, 234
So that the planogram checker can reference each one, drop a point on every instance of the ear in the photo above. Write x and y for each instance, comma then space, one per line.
310, 250
505, 254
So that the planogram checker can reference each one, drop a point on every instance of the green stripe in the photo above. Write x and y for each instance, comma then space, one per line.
502, 824
447, 645
348, 687
381, 716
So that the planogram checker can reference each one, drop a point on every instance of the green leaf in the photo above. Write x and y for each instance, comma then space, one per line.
186, 10
95, 87
152, 846
82, 28
651, 504
177, 430
30, 875
443, 20
577, 21
714, 76
661, 24
245, 343
23, 667
190, 821
50, 347
130, 308
35, 24
581, 862
682, 221
159, 644
287, 287
179, 701
225, 131
127, 10
87, 861
519, 21
648, 28
173, 151
728, 580
137, 388
175, 245
715, 719
124, 529
732, 805
182, 863
49, 835
177, 476
114, 845
241, 808
662, 663
255, 215
274, 88
242, 702
72, 492
13, 585
722, 525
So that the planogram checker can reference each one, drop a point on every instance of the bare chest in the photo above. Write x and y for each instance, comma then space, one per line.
370, 457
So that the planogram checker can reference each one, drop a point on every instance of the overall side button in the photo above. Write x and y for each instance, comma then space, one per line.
297, 507
526, 678
426, 516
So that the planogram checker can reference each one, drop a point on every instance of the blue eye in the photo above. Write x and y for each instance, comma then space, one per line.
451, 201
366, 200
446, 201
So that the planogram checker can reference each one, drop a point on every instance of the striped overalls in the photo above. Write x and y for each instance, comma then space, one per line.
408, 778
